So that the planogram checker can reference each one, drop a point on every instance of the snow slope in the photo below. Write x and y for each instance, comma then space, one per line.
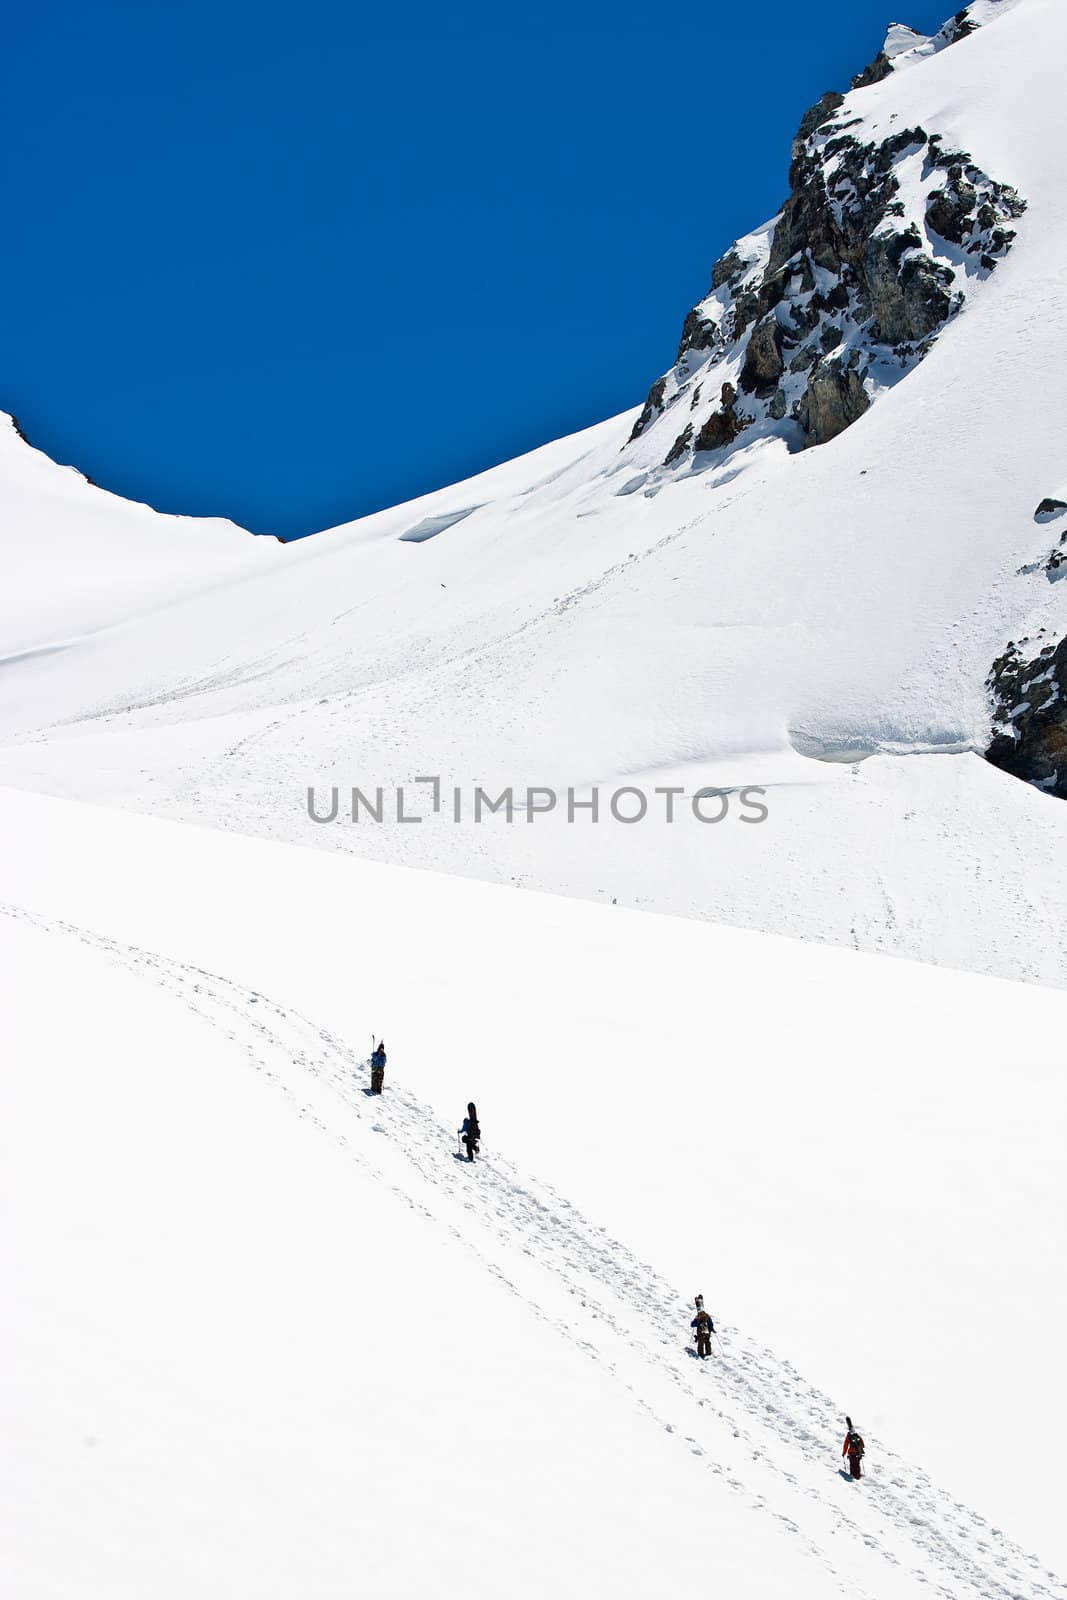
591, 619
273, 1338
76, 559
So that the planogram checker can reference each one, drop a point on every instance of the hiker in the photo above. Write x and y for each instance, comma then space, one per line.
377, 1068
704, 1329
854, 1448
470, 1132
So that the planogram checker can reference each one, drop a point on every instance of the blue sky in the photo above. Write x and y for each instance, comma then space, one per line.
290, 264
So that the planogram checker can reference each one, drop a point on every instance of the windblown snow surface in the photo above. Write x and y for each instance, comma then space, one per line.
272, 1337
266, 1335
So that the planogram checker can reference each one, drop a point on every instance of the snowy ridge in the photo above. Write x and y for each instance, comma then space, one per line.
904, 47
77, 559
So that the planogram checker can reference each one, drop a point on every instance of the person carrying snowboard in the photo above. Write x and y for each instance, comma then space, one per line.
704, 1327
470, 1132
377, 1068
854, 1448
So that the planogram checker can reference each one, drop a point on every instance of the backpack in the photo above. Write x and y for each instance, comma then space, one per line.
856, 1446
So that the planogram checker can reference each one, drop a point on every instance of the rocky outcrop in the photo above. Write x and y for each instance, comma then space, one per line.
679, 447
763, 364
833, 400
969, 209
875, 249
724, 425
909, 294
1055, 564
817, 116
1028, 687
959, 27
728, 269
902, 40
653, 408
949, 211
873, 72
699, 332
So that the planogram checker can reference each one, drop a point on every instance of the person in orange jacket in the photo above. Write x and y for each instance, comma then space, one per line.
854, 1448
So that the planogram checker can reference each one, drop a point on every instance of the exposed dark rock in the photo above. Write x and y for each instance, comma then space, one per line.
763, 364
800, 276
1029, 696
833, 400
944, 158
728, 269
746, 309
906, 139
818, 115
699, 332
804, 318
959, 27
723, 426
719, 429
679, 447
874, 72
1048, 509
770, 292
778, 405
652, 408
950, 211
907, 291
832, 216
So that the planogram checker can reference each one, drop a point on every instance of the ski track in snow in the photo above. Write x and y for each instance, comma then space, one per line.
746, 1416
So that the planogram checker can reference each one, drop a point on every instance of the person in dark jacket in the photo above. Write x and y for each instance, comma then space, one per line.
853, 1448
704, 1328
470, 1132
377, 1068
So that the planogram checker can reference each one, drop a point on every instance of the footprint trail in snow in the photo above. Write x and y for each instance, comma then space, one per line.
746, 1415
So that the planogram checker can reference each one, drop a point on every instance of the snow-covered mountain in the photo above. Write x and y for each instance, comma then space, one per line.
628, 608
266, 1335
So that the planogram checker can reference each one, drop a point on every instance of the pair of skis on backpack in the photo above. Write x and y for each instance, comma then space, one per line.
704, 1329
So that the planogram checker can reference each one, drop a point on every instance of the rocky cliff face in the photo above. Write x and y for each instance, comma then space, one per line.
813, 316
1028, 683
